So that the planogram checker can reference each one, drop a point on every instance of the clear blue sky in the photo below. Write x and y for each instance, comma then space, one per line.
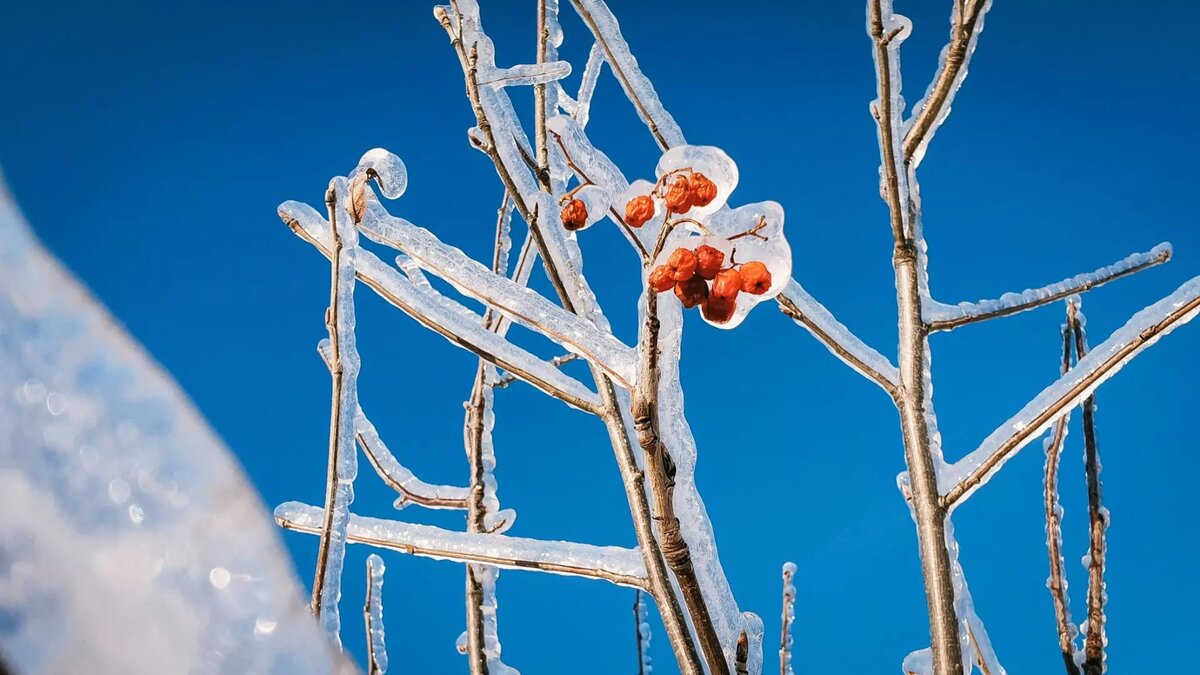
149, 144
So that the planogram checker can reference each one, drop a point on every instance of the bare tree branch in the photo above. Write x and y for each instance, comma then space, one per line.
947, 317
1142, 330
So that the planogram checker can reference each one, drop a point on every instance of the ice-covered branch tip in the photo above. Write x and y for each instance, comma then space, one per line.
412, 490
377, 660
811, 315
966, 24
959, 480
451, 320
607, 32
618, 565
948, 317
1057, 581
788, 616
1094, 636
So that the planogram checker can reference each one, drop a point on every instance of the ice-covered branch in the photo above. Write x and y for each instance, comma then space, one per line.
789, 615
618, 565
1057, 582
343, 458
444, 316
1095, 639
514, 300
412, 490
587, 86
966, 23
377, 659
1143, 329
600, 20
948, 317
813, 317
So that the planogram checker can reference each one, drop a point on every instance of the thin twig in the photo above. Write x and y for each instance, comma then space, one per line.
372, 606
961, 32
1063, 291
789, 613
337, 371
1057, 583
431, 542
1094, 641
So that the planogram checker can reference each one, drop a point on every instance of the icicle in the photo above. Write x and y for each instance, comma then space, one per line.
642, 618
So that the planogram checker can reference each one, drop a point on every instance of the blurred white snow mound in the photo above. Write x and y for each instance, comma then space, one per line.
130, 541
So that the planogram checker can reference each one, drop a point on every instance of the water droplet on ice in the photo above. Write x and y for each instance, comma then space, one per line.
219, 577
136, 514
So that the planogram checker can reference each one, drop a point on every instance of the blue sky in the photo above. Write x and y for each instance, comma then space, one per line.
149, 144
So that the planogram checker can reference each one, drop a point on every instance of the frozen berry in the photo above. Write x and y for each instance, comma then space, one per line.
679, 196
709, 261
639, 210
662, 279
756, 278
702, 190
683, 263
574, 215
692, 292
717, 309
727, 284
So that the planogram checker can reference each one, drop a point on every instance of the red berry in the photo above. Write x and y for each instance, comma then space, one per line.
709, 261
702, 190
574, 215
662, 279
679, 197
718, 310
756, 278
683, 263
639, 210
727, 284
692, 292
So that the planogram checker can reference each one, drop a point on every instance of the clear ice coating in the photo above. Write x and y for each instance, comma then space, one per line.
374, 614
134, 543
642, 614
1100, 364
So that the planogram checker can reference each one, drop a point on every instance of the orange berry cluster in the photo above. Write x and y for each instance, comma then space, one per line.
689, 273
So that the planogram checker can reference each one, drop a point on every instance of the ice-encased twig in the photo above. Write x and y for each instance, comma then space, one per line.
817, 320
444, 316
1057, 581
621, 566
514, 300
966, 23
1095, 639
641, 619
377, 659
344, 366
398, 477
587, 85
962, 478
607, 32
527, 74
786, 618
948, 317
